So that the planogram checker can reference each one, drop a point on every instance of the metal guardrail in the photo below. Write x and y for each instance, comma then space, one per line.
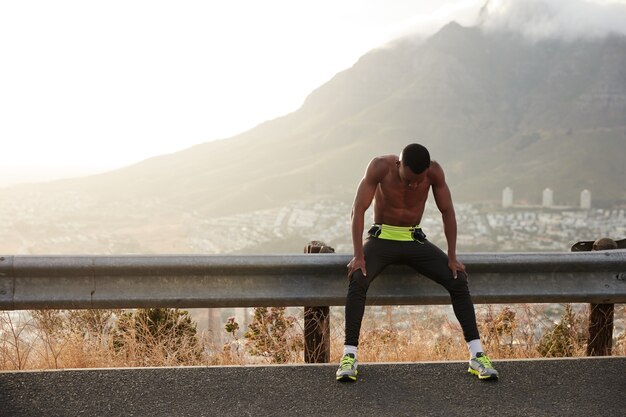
214, 281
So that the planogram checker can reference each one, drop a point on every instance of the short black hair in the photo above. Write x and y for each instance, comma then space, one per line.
416, 157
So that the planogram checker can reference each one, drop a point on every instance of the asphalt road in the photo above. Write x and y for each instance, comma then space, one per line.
563, 387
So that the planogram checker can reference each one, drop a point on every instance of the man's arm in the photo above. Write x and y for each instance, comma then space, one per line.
443, 198
364, 195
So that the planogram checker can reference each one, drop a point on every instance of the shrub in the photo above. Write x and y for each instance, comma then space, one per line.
231, 349
567, 336
271, 335
157, 336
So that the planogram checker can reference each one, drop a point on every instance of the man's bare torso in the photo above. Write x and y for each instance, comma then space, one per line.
396, 202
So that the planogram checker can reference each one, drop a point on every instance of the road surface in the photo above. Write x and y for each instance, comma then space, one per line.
561, 387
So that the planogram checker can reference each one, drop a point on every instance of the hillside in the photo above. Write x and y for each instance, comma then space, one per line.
494, 109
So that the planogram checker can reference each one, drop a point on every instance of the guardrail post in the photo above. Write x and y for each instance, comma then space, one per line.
601, 316
317, 320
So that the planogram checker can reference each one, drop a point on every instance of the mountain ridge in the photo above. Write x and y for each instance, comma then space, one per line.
495, 111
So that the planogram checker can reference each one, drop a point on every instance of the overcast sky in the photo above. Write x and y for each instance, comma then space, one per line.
87, 86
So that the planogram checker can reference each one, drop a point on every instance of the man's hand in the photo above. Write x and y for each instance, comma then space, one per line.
456, 266
356, 264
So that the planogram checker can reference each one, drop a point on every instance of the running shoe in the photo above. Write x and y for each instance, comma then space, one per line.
347, 368
482, 367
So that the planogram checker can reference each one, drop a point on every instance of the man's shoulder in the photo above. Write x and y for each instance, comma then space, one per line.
380, 166
435, 173
434, 166
385, 160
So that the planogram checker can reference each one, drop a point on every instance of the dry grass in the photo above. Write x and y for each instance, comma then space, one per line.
388, 334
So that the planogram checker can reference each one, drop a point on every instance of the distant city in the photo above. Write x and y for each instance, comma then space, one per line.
77, 226
547, 199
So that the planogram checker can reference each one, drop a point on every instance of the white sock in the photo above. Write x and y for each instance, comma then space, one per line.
474, 347
349, 349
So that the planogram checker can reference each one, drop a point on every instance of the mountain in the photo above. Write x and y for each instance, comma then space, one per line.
495, 110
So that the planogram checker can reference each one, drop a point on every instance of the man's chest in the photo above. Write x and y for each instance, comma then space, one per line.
402, 196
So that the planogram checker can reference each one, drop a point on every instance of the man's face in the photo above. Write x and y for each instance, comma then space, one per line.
410, 178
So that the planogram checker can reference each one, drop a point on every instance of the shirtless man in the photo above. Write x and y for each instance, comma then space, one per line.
399, 188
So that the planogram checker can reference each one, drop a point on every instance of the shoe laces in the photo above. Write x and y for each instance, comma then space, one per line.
347, 362
485, 361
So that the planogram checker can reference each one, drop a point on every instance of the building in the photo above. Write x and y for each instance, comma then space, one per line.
507, 197
548, 198
585, 199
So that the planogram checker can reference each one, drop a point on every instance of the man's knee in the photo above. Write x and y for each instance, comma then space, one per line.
458, 285
358, 283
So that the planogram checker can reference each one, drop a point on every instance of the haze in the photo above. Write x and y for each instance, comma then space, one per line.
87, 87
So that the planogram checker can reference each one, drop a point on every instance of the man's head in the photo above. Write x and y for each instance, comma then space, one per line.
416, 157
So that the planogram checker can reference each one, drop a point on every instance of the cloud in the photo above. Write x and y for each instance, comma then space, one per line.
430, 21
563, 19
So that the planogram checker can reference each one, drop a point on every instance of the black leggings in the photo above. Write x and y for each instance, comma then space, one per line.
425, 258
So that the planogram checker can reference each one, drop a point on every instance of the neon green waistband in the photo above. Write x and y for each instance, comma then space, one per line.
398, 233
